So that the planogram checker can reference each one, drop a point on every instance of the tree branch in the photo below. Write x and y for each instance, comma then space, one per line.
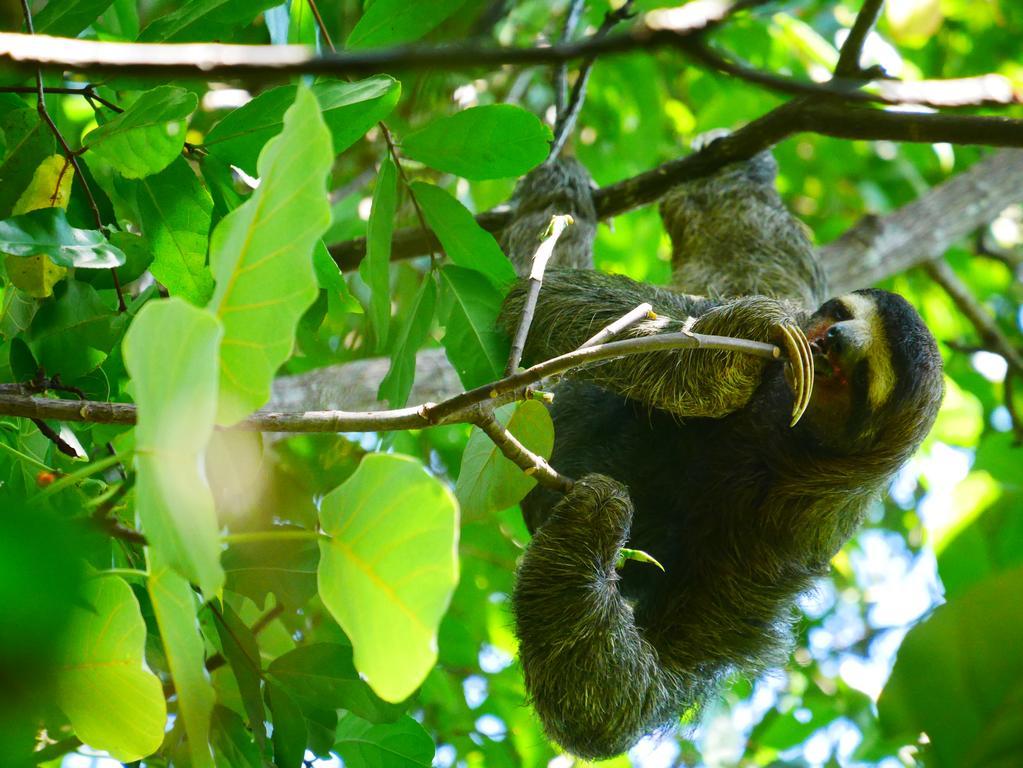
530, 463
878, 247
458, 409
796, 116
988, 331
852, 49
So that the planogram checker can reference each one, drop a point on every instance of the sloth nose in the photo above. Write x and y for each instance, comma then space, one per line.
836, 341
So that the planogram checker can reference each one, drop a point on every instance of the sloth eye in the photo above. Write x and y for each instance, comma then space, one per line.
840, 312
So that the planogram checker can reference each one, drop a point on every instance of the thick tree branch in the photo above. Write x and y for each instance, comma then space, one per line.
800, 115
879, 247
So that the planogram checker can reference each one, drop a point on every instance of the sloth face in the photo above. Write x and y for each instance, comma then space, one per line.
874, 359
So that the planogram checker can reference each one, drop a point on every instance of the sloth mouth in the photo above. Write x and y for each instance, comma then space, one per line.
823, 363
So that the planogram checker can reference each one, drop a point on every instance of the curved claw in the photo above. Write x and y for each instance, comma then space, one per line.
800, 361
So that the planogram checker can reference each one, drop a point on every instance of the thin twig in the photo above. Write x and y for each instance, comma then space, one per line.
986, 328
531, 463
540, 258
88, 92
457, 409
320, 24
575, 10
69, 154
385, 132
643, 312
567, 117
852, 49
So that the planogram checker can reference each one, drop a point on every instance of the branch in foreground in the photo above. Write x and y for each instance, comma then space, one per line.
827, 118
458, 409
204, 60
530, 463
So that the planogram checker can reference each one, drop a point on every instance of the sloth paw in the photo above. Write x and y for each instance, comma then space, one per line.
799, 367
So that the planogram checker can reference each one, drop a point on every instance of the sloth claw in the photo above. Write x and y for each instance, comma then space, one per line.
800, 367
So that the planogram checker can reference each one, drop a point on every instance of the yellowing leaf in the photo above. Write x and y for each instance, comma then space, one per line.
103, 684
35, 275
388, 571
50, 186
913, 20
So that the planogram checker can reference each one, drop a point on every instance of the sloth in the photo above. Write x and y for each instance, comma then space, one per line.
693, 456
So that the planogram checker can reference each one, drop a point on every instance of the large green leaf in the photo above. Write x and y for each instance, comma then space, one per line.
389, 568
29, 141
148, 135
966, 658
323, 675
171, 353
73, 333
488, 481
46, 231
474, 345
232, 741
204, 20
175, 211
465, 242
392, 22
397, 383
489, 142
287, 568
68, 18
103, 684
16, 312
375, 267
404, 744
348, 109
261, 256
174, 604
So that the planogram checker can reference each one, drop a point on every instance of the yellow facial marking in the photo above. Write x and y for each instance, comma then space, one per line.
870, 337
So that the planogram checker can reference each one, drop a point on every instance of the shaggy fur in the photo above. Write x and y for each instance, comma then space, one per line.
688, 456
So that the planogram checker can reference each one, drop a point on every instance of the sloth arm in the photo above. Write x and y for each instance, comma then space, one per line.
573, 305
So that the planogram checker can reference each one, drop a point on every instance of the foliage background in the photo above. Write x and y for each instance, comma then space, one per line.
950, 531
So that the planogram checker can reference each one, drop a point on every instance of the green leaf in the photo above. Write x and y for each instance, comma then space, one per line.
474, 345
138, 255
286, 568
242, 652
29, 142
68, 18
330, 279
232, 741
323, 675
16, 312
104, 662
490, 142
203, 20
175, 211
74, 333
148, 135
375, 267
289, 734
170, 351
393, 22
964, 656
487, 481
46, 231
397, 384
465, 242
404, 744
348, 109
176, 615
261, 256
388, 571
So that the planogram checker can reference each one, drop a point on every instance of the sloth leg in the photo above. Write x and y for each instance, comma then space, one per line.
596, 682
